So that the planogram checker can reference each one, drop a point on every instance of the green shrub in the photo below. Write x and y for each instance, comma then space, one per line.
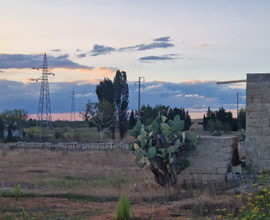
10, 138
16, 192
76, 136
23, 215
216, 133
123, 209
216, 125
241, 135
31, 136
57, 135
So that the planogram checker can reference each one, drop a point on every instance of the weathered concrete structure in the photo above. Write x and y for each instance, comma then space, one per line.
258, 121
211, 160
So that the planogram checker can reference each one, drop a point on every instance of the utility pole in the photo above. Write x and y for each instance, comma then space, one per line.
139, 96
72, 113
44, 117
237, 95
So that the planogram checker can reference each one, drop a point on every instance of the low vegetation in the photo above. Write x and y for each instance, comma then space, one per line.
123, 209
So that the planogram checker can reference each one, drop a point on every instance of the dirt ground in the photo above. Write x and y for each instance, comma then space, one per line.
56, 208
101, 176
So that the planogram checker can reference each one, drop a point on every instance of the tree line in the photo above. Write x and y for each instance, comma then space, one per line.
110, 113
222, 120
148, 115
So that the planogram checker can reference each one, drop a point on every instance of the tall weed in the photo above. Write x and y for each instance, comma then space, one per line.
123, 209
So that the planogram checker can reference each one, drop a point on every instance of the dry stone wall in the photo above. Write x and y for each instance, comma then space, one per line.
258, 121
67, 146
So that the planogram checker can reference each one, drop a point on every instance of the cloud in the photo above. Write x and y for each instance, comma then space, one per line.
1, 45
101, 50
82, 55
195, 96
158, 58
159, 89
85, 95
141, 47
56, 50
92, 81
162, 39
105, 71
21, 61
64, 56
203, 45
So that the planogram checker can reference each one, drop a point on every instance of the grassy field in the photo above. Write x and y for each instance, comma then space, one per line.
88, 184
67, 134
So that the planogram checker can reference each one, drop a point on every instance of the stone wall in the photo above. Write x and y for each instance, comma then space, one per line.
67, 146
211, 159
258, 121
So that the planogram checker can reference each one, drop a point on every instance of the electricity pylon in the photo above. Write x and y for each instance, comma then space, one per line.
44, 117
72, 113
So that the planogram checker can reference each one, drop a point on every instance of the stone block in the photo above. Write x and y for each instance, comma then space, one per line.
256, 115
263, 122
264, 165
254, 89
222, 170
220, 164
266, 96
257, 107
258, 77
266, 131
225, 157
255, 98
256, 130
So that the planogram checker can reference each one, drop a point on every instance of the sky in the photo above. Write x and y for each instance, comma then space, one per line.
181, 48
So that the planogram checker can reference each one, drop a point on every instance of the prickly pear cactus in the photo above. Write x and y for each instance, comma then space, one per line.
163, 148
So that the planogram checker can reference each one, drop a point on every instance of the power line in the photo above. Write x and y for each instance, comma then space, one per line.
44, 117
139, 95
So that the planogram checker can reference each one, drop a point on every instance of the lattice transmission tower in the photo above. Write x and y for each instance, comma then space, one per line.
44, 117
72, 113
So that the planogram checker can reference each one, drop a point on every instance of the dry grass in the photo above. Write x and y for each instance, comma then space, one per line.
81, 135
102, 174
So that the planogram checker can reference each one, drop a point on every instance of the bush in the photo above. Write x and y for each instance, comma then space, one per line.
216, 133
216, 125
241, 135
57, 135
31, 136
10, 138
76, 137
123, 209
16, 192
